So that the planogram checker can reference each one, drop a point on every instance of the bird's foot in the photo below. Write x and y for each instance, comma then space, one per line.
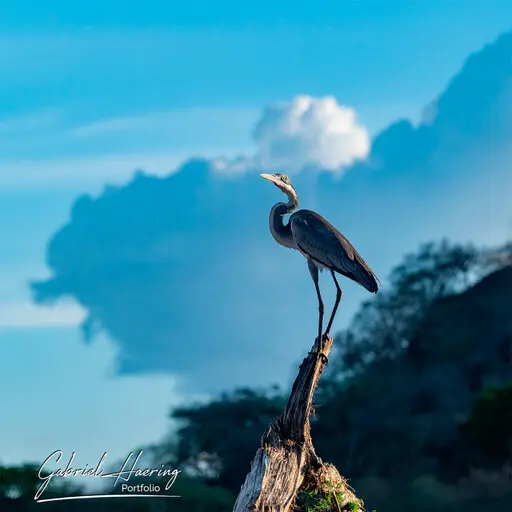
323, 357
320, 348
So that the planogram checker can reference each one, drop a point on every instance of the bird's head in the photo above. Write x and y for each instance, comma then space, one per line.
283, 183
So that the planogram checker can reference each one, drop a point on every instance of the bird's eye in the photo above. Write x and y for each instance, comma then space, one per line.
283, 178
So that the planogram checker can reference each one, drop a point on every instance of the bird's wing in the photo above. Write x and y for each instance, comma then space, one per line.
321, 241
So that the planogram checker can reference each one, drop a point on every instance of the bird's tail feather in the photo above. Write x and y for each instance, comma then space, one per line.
370, 281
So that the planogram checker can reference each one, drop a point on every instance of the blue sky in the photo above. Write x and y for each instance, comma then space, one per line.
89, 94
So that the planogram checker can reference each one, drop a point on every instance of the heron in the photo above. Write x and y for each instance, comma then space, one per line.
323, 246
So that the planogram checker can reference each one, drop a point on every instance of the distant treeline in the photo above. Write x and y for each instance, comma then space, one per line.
415, 407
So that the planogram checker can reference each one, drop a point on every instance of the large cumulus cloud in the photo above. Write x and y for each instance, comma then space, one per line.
182, 272
179, 270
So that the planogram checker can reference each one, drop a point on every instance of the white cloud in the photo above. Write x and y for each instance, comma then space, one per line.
44, 149
172, 123
233, 166
25, 315
308, 131
95, 169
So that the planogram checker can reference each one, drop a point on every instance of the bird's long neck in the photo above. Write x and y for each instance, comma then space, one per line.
282, 232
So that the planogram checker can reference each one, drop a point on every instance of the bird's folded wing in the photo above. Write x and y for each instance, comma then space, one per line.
325, 244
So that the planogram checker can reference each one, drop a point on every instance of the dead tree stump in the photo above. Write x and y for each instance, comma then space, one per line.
286, 474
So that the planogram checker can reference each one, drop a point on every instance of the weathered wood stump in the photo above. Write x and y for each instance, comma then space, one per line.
286, 474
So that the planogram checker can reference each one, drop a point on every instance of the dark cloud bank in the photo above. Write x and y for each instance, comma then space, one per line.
183, 274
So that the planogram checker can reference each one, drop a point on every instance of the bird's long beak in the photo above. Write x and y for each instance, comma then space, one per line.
269, 177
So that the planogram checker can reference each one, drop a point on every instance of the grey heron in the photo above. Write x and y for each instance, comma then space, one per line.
323, 246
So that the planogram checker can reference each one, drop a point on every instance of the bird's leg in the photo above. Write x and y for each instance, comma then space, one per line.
313, 269
336, 304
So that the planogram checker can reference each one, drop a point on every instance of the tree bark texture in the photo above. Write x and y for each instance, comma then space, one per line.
286, 474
